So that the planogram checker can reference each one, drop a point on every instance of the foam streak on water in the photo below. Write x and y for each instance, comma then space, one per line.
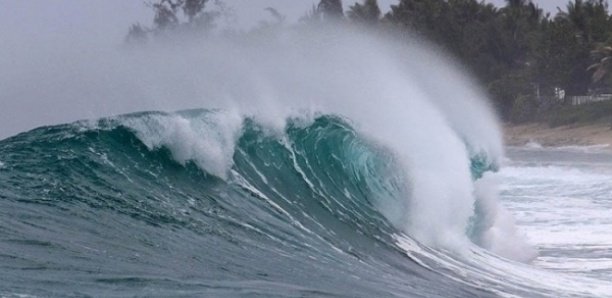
306, 162
562, 200
375, 83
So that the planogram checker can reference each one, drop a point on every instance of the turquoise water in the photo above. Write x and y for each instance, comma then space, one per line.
89, 209
199, 203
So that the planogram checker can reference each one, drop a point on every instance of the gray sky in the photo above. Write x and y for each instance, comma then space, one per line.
32, 32
106, 21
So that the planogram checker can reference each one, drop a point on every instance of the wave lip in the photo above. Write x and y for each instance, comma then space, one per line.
297, 212
205, 137
318, 152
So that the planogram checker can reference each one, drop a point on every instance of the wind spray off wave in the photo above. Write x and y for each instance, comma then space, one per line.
324, 163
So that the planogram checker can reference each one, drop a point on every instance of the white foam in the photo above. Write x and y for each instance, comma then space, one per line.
564, 211
480, 269
586, 149
533, 145
502, 236
208, 141
408, 98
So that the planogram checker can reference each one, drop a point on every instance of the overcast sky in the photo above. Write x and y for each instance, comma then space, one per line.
31, 30
106, 21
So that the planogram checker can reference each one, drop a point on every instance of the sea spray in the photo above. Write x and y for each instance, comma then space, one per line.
207, 141
297, 213
498, 231
432, 124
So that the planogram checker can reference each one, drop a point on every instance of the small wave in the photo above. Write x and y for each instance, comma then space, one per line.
585, 149
533, 145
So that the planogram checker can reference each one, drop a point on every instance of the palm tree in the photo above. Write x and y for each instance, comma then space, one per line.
520, 21
589, 17
521, 14
330, 9
368, 12
193, 8
165, 14
603, 65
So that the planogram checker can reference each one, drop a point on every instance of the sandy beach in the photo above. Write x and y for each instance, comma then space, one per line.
570, 135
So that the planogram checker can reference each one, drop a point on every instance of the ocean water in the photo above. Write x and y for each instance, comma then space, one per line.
561, 199
300, 163
121, 207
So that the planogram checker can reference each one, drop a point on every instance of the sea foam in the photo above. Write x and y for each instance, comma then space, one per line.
405, 96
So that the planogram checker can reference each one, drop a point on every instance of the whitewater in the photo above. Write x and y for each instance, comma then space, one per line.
294, 162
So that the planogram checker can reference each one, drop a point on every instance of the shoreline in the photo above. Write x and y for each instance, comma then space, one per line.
593, 134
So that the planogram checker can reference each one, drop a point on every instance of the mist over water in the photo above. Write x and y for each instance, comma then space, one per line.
297, 137
405, 97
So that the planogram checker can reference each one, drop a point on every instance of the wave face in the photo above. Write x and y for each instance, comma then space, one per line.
108, 208
327, 163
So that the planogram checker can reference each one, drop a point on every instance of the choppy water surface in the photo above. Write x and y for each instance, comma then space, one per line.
562, 201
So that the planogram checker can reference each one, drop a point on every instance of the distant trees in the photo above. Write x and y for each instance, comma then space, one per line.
603, 65
167, 17
331, 9
165, 14
326, 11
519, 53
366, 13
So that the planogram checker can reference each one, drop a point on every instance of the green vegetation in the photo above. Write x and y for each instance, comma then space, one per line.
168, 19
582, 114
521, 55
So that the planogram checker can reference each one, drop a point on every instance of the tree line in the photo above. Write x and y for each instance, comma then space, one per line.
521, 55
